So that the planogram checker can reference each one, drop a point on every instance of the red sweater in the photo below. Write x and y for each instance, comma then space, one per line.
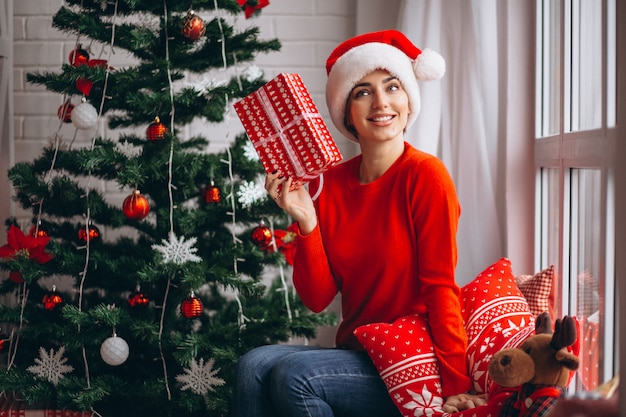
389, 248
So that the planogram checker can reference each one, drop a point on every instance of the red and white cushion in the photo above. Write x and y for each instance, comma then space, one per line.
404, 356
496, 317
537, 289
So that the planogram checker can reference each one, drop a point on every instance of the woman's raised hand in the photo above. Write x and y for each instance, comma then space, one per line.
297, 203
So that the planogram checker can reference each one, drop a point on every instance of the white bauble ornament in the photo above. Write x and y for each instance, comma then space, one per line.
114, 350
84, 116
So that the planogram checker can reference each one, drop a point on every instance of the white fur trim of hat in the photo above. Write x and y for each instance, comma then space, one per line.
390, 50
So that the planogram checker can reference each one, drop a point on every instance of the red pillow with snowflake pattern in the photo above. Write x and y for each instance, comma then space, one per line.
496, 317
405, 359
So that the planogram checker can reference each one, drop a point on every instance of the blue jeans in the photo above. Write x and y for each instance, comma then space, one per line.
305, 381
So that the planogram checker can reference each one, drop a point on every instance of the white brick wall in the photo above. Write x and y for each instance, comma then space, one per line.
307, 30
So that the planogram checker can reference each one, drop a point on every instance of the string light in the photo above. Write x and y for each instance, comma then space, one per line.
88, 187
223, 40
283, 280
170, 194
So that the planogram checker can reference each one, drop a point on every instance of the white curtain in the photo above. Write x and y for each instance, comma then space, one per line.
459, 120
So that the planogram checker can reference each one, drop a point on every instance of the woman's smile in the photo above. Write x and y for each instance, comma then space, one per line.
381, 119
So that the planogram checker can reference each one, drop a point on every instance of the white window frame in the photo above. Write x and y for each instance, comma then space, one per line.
566, 150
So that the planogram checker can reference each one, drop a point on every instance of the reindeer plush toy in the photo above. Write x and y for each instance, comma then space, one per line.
539, 369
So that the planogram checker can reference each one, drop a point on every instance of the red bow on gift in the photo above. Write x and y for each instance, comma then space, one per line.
23, 246
250, 6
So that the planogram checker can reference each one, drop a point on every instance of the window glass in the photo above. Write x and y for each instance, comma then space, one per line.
586, 270
611, 86
550, 212
550, 225
586, 61
548, 68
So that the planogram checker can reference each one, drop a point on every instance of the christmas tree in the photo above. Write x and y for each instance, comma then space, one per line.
143, 306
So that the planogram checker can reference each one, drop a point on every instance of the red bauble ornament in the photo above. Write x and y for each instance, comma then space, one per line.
156, 130
262, 235
136, 206
65, 112
212, 193
193, 26
3, 338
191, 307
52, 300
137, 299
38, 231
93, 235
79, 56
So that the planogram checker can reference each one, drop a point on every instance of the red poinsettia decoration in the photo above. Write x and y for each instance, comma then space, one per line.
250, 6
286, 241
24, 246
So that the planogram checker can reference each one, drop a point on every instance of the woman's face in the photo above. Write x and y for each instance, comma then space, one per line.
378, 107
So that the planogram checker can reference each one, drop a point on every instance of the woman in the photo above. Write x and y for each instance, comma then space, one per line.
382, 232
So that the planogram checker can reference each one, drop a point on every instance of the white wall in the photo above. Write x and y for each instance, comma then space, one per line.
6, 104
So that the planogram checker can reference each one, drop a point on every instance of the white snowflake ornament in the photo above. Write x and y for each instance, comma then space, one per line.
50, 366
206, 84
178, 251
249, 151
250, 193
128, 149
200, 377
253, 73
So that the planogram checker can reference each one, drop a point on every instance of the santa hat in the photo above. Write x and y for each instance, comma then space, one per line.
389, 50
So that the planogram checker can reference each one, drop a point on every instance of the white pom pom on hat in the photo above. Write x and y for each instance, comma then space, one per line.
390, 50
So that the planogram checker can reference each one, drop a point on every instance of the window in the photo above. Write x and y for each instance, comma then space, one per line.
575, 140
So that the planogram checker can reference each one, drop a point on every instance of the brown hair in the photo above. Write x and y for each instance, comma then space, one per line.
347, 123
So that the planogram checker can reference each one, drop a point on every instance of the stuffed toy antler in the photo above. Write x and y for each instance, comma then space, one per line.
564, 332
